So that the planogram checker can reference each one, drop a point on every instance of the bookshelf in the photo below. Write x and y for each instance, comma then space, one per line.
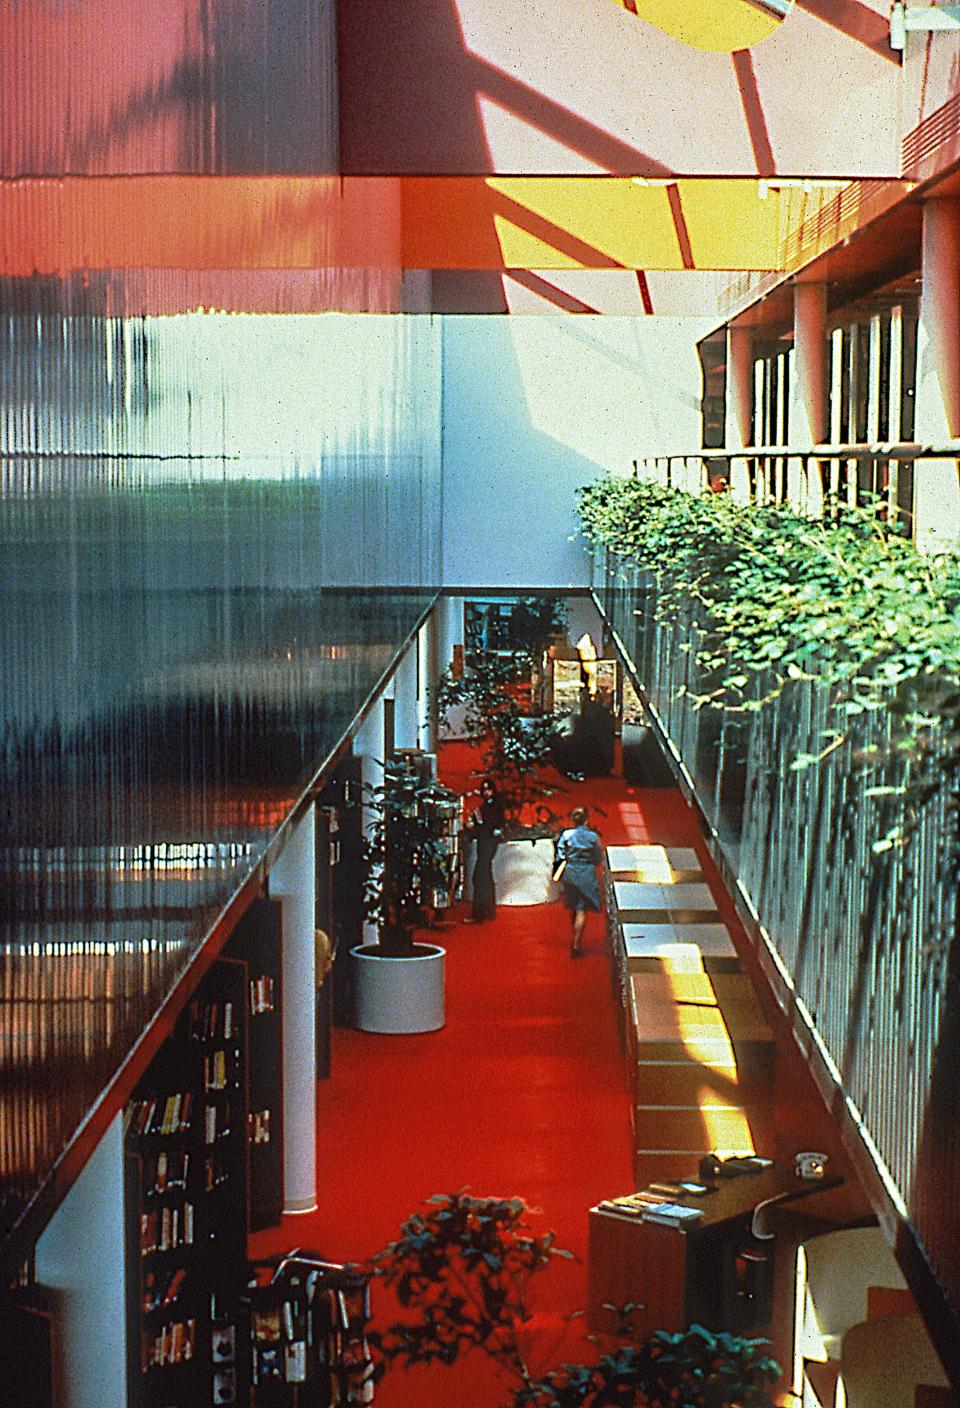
256, 943
186, 1186
306, 1336
340, 883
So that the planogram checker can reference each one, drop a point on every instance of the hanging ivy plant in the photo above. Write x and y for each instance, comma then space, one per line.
845, 602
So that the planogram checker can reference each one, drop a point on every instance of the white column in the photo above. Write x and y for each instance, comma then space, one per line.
368, 747
406, 707
739, 407
808, 393
292, 881
429, 675
938, 335
808, 402
451, 626
739, 423
936, 493
80, 1254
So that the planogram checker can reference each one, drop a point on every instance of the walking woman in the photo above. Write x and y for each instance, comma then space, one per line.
486, 827
577, 857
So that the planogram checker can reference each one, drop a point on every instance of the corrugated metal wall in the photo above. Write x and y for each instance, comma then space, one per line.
216, 531
203, 86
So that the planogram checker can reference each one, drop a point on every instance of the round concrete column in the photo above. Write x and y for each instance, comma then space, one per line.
739, 417
936, 490
739, 410
450, 610
808, 394
938, 336
292, 881
808, 401
406, 707
429, 674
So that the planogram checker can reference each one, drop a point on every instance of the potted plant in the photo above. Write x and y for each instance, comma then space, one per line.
496, 696
461, 1272
409, 858
514, 744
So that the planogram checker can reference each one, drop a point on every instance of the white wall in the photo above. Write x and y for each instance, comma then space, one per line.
535, 407
81, 1254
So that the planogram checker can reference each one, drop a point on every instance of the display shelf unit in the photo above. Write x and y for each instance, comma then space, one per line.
305, 1340
340, 876
186, 1189
256, 942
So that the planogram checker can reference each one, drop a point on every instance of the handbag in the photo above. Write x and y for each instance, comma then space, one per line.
558, 870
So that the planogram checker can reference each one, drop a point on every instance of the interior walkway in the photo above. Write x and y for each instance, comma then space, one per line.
521, 1094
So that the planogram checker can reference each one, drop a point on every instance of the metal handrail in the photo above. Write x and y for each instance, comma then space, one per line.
893, 449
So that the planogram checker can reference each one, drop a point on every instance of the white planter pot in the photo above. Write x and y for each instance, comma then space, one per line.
399, 995
522, 870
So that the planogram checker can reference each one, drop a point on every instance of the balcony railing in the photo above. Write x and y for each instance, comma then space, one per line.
858, 943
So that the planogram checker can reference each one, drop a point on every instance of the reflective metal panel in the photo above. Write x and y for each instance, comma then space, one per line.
213, 86
215, 535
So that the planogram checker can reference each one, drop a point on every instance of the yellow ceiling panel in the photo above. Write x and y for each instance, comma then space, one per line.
717, 25
597, 222
588, 222
728, 221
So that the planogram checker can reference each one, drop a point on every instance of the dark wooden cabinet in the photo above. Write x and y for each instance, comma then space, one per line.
186, 1193
256, 942
675, 1277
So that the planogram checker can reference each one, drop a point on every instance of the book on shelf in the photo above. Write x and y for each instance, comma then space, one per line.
261, 994
208, 1022
259, 1126
216, 1122
268, 1362
162, 1291
167, 1173
295, 1362
162, 1230
673, 1215
173, 1345
215, 1071
266, 1324
215, 1172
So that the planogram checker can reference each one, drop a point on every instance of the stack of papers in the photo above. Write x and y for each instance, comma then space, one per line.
672, 1214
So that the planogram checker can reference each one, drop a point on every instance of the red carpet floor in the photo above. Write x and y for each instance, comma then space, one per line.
521, 1094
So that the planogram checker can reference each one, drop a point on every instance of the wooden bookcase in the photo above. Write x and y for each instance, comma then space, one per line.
256, 943
186, 1187
306, 1337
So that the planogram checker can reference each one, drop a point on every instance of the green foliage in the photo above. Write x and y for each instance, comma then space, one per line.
461, 1271
533, 620
404, 855
846, 603
692, 1369
513, 741
462, 1266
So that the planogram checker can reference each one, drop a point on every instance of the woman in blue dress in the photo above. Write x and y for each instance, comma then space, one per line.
578, 851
